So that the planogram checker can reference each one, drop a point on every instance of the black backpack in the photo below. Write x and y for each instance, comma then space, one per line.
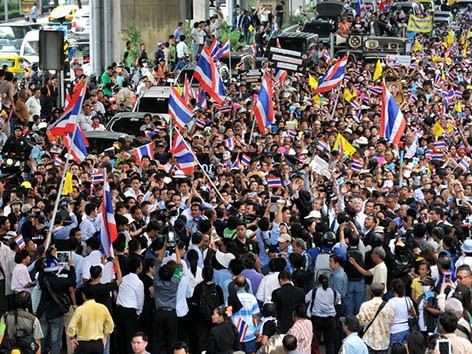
20, 338
351, 271
209, 300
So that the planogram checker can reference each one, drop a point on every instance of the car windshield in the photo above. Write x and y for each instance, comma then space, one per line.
321, 29
8, 62
32, 48
296, 44
154, 105
128, 125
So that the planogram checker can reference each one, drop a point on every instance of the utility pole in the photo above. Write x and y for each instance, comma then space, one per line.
5, 9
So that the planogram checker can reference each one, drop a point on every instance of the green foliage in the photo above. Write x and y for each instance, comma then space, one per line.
233, 36
133, 35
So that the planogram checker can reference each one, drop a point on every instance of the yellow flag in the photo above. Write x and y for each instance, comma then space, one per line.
448, 61
312, 82
348, 96
250, 28
437, 58
378, 70
469, 34
179, 89
458, 107
466, 46
443, 76
450, 129
438, 130
417, 46
317, 99
343, 146
67, 184
450, 37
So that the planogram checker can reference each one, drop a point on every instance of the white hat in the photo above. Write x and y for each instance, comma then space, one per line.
361, 141
129, 217
314, 214
224, 258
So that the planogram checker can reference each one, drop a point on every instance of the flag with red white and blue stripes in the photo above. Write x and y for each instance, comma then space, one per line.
263, 109
206, 72
178, 109
392, 123
242, 328
245, 160
333, 77
184, 156
143, 150
274, 182
108, 231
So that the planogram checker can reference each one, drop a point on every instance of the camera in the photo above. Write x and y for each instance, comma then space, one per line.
168, 235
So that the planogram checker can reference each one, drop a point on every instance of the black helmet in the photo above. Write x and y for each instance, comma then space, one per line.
329, 239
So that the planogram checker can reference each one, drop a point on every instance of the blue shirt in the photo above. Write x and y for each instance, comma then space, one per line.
338, 282
353, 344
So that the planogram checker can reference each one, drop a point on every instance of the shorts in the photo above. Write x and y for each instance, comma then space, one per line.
249, 347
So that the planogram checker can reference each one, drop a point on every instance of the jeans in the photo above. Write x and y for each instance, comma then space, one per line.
355, 296
399, 337
52, 331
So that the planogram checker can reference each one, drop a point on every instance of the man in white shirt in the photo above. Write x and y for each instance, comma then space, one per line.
95, 258
129, 303
182, 53
271, 281
85, 118
34, 105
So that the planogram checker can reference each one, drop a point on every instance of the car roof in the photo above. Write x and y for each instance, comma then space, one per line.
297, 34
154, 91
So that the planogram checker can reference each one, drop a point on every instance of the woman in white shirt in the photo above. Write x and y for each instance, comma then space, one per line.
20, 279
193, 272
402, 307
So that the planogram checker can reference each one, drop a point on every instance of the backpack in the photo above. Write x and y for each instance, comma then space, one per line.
274, 345
351, 272
322, 265
22, 339
209, 300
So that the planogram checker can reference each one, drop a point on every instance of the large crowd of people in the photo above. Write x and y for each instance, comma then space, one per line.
366, 251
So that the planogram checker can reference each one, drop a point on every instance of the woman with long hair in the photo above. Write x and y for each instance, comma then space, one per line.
416, 343
193, 272
323, 312
223, 337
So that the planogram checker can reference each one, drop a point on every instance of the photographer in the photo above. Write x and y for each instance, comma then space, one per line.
166, 283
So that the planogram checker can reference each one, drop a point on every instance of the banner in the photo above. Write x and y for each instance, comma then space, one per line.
418, 24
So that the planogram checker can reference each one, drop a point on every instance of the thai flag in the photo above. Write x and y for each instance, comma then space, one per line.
355, 104
229, 143
438, 82
184, 156
258, 165
225, 109
66, 124
224, 51
325, 55
333, 77
245, 160
459, 94
355, 72
437, 156
280, 76
414, 98
108, 231
301, 160
464, 164
237, 164
77, 147
439, 145
457, 133
144, 150
359, 64
97, 177
254, 49
359, 117
263, 109
20, 241
428, 153
384, 189
206, 72
392, 124
178, 109
321, 146
188, 91
360, 8
292, 133
201, 99
356, 165
242, 328
347, 78
377, 90
200, 123
58, 161
214, 48
274, 182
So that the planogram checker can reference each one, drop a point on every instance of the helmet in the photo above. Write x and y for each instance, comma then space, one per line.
329, 239
42, 125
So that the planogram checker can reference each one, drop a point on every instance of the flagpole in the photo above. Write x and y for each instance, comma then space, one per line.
252, 128
199, 164
336, 101
61, 185
170, 133
229, 60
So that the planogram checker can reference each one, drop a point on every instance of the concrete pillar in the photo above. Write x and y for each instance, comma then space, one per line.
95, 37
106, 15
201, 10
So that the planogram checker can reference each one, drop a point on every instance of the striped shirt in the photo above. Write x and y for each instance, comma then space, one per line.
250, 308
303, 331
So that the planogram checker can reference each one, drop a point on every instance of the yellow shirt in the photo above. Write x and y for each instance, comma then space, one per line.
379, 273
91, 321
415, 284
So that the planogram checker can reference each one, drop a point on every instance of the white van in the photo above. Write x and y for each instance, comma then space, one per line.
30, 47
